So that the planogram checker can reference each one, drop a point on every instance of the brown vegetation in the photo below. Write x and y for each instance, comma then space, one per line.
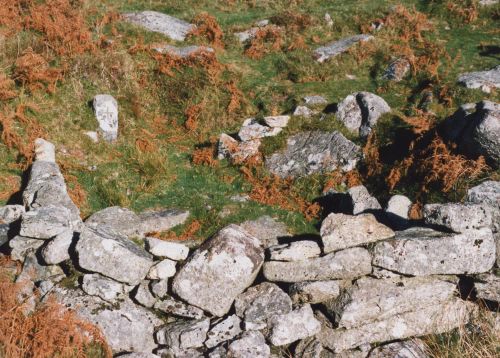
205, 156
208, 28
189, 233
267, 39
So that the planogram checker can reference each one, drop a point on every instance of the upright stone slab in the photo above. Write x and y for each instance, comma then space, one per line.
106, 112
222, 268
155, 21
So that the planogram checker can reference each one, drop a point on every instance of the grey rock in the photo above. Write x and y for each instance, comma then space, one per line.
293, 326
161, 220
295, 251
414, 348
488, 2
4, 233
335, 48
160, 288
346, 264
230, 262
266, 229
277, 121
383, 273
10, 213
172, 250
224, 331
397, 70
45, 222
140, 355
177, 308
246, 35
103, 287
45, 151
487, 287
238, 152
143, 295
487, 192
104, 252
106, 112
250, 344
179, 353
121, 220
303, 111
314, 291
422, 252
21, 246
458, 217
486, 81
340, 231
397, 210
261, 302
183, 52
362, 201
162, 270
35, 271
184, 334
314, 152
57, 249
315, 100
167, 25
252, 130
309, 348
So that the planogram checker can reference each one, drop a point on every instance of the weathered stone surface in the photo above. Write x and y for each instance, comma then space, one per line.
488, 287
345, 264
45, 151
104, 252
252, 129
34, 270
142, 295
414, 348
397, 210
237, 151
371, 299
488, 2
277, 121
140, 355
45, 222
362, 201
266, 229
458, 217
161, 220
246, 35
10, 213
183, 52
160, 288
177, 308
180, 353
340, 231
224, 331
261, 302
430, 320
487, 192
162, 270
20, 247
315, 291
229, 261
167, 25
295, 251
171, 250
106, 112
333, 49
57, 249
184, 334
303, 111
314, 152
309, 348
4, 233
315, 100
421, 252
121, 220
127, 327
250, 344
486, 81
397, 70
103, 287
292, 326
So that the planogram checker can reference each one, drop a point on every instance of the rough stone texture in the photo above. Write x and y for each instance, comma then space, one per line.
250, 344
371, 299
104, 253
303, 111
397, 210
45, 222
4, 233
292, 326
345, 264
421, 252
277, 121
362, 201
224, 331
452, 127
184, 334
140, 355
340, 231
266, 229
295, 251
127, 328
252, 129
458, 217
315, 100
309, 348
161, 220
414, 348
434, 319
315, 291
142, 295
333, 49
246, 35
167, 25
486, 81
261, 302
45, 151
121, 220
397, 70
229, 261
10, 213
177, 308
162, 270
171, 250
488, 287
35, 271
57, 249
229, 147
314, 152
103, 287
20, 247
183, 52
487, 192
160, 288
106, 112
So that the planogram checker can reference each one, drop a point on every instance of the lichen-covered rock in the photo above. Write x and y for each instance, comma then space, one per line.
458, 217
155, 21
315, 100
160, 288
295, 251
34, 270
314, 152
250, 344
162, 270
487, 287
277, 121
362, 201
486, 81
106, 112
161, 220
229, 262
252, 130
172, 250
303, 111
183, 52
21, 246
335, 48
422, 252
184, 334
397, 70
45, 222
487, 192
103, 287
346, 264
266, 229
121, 220
237, 151
314, 291
11, 213
309, 348
223, 331
340, 231
261, 302
293, 326
143, 295
414, 348
57, 249
113, 256
177, 308
397, 210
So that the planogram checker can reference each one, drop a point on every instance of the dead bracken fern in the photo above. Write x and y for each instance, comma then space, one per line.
204, 156
188, 234
267, 39
7, 90
33, 71
208, 28
465, 10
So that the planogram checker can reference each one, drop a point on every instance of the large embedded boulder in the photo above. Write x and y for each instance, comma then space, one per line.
486, 81
155, 21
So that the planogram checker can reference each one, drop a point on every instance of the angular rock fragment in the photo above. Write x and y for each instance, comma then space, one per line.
292, 326
155, 21
266, 229
161, 220
57, 249
171, 250
309, 348
229, 261
414, 348
346, 264
143, 295
487, 192
34, 270
106, 112
487, 287
315, 100
362, 201
160, 288
177, 308
103, 287
458, 217
397, 210
121, 220
250, 344
11, 213
4, 233
162, 270
237, 151
314, 291
252, 130
277, 121
340, 231
486, 81
183, 52
45, 222
21, 246
294, 251
224, 331
184, 334
335, 48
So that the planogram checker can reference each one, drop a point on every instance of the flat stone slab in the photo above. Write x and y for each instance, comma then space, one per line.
266, 229
323, 53
224, 331
177, 308
103, 287
295, 251
252, 130
184, 334
486, 81
414, 348
458, 217
249, 344
346, 264
422, 252
11, 213
165, 24
314, 291
487, 192
172, 250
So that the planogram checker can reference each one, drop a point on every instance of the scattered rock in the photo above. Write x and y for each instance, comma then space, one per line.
183, 52
340, 231
397, 70
45, 222
224, 331
414, 348
295, 251
266, 229
314, 152
237, 151
106, 112
162, 270
314, 292
362, 201
230, 262
252, 129
103, 287
277, 121
171, 250
174, 307
345, 264
328, 19
335, 48
458, 217
184, 334
486, 81
21, 246
250, 344
315, 100
57, 249
167, 25
94, 136
488, 287
420, 252
292, 326
303, 111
